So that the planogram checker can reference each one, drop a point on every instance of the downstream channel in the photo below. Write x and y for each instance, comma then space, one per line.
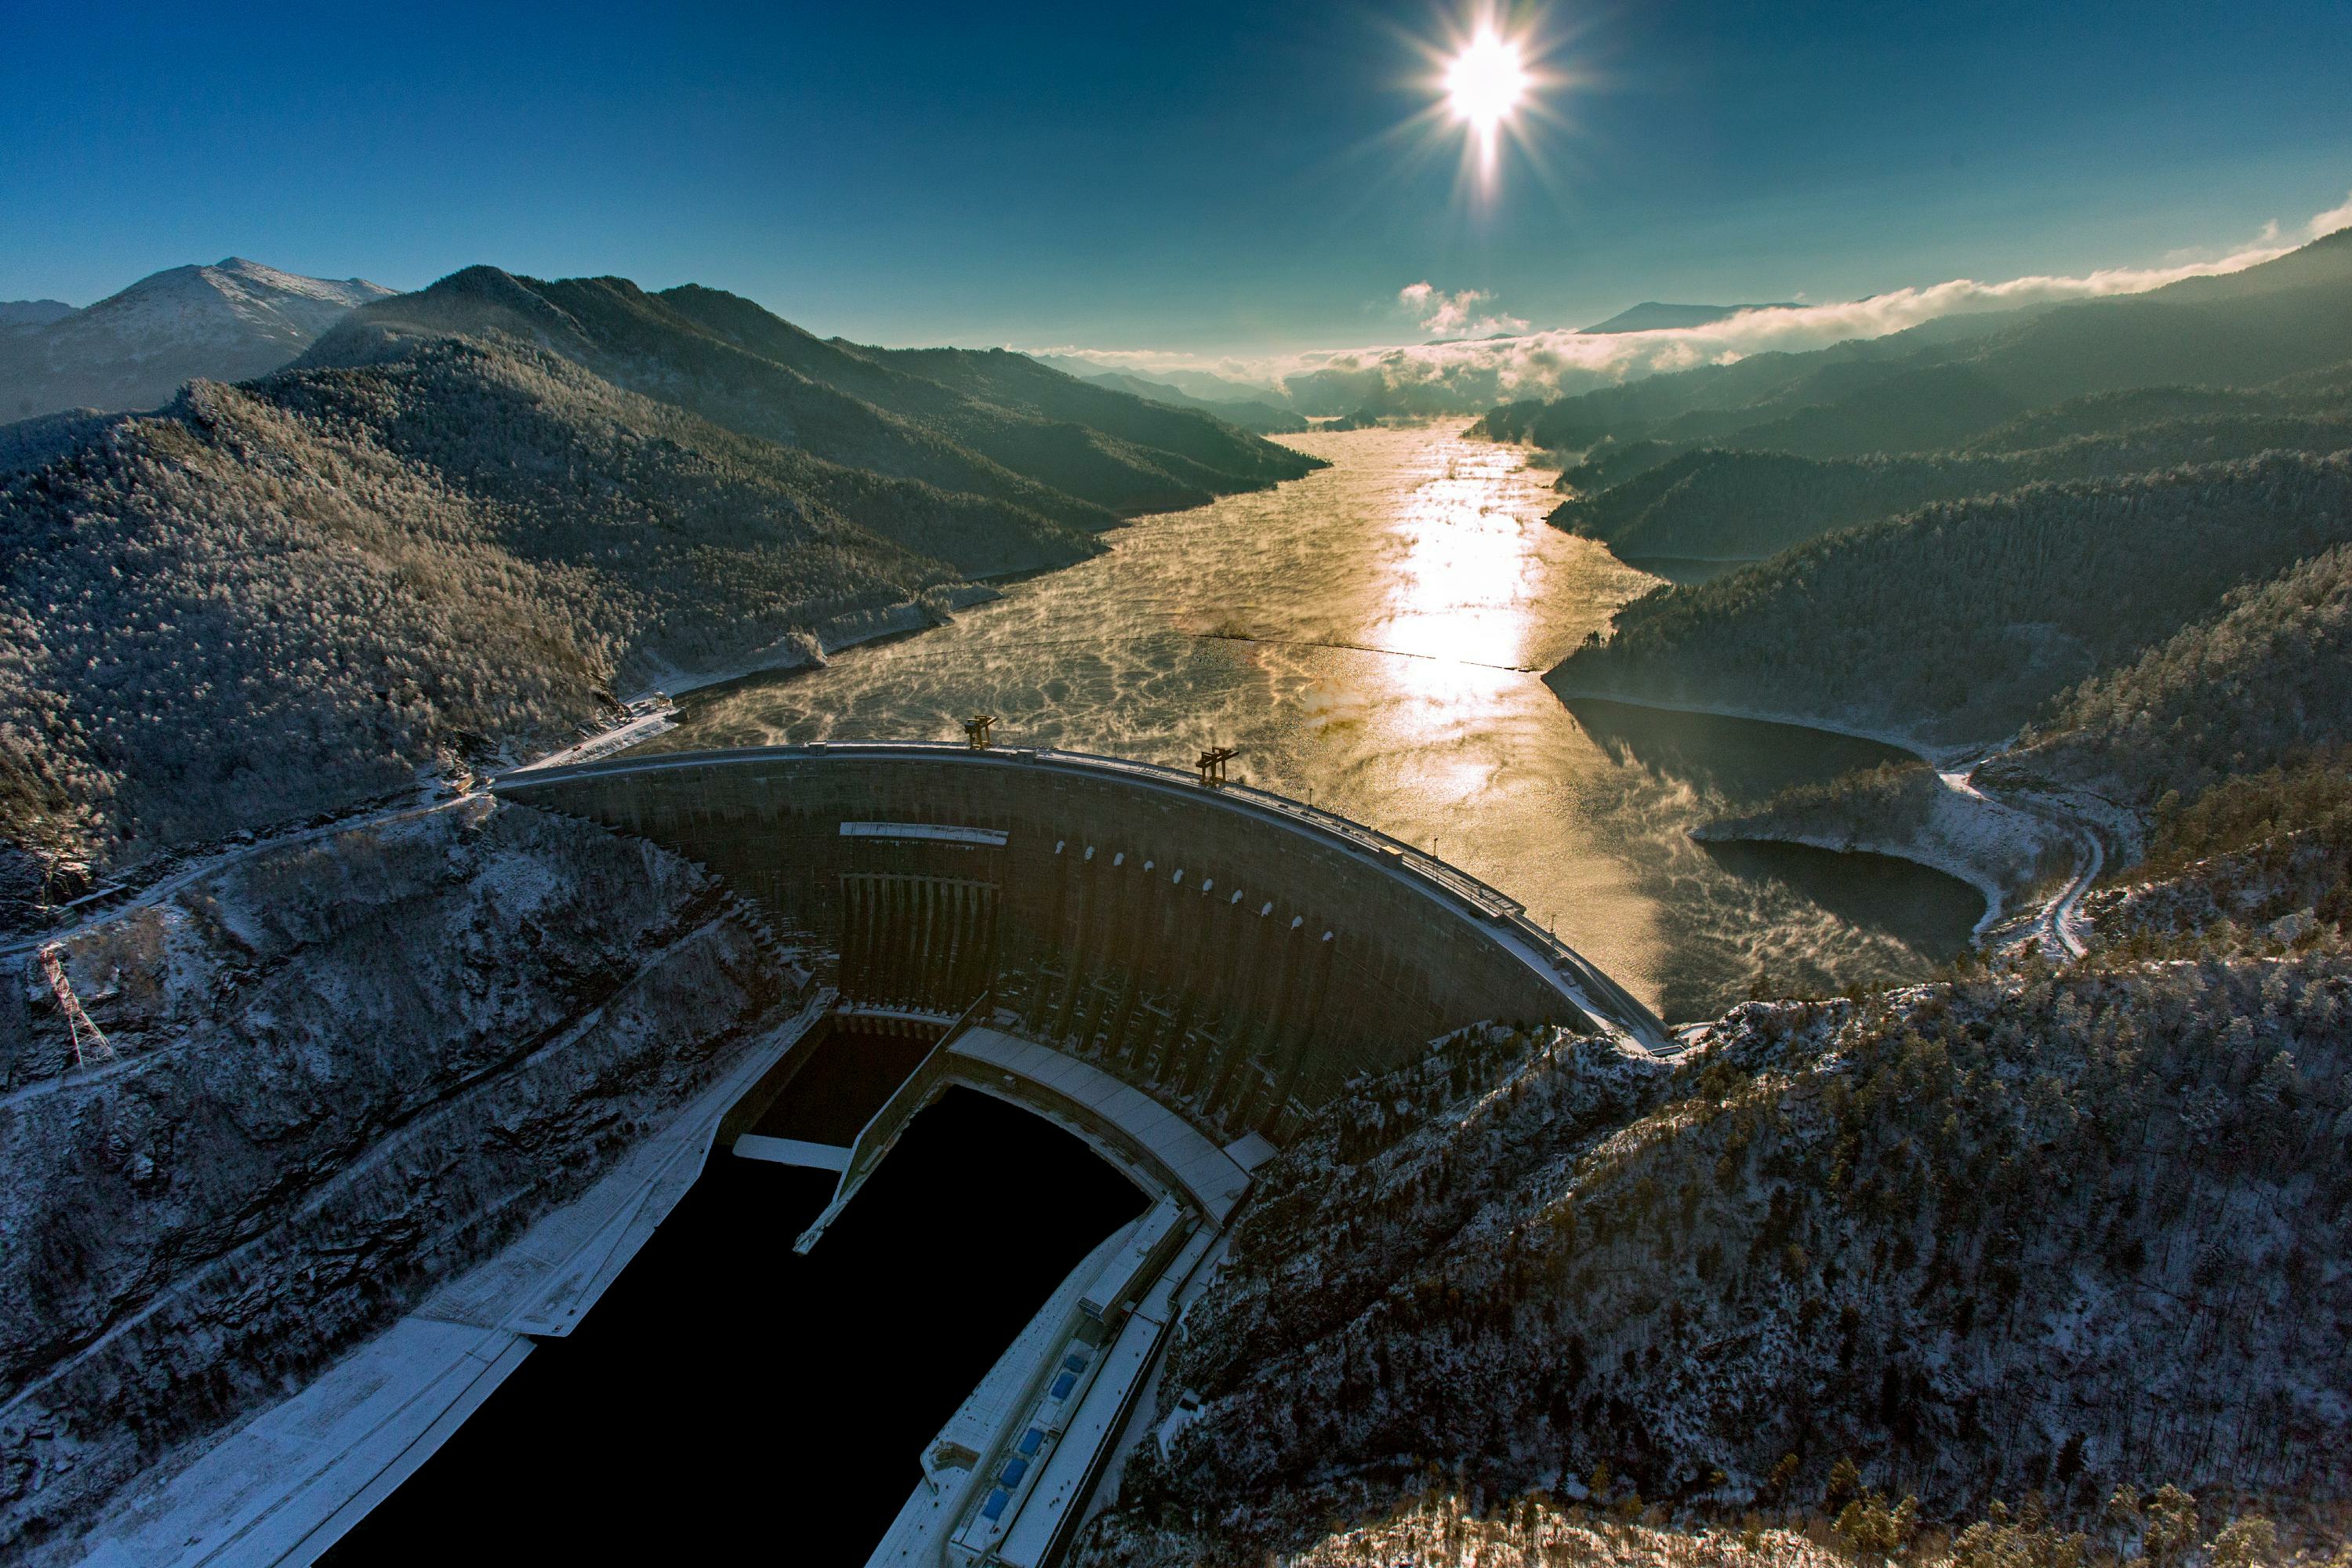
725, 1388
1372, 638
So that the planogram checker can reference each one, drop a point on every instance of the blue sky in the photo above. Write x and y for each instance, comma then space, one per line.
1204, 176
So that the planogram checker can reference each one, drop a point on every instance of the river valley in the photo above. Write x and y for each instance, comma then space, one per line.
1372, 638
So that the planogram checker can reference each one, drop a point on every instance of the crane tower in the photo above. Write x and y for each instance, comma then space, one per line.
78, 1022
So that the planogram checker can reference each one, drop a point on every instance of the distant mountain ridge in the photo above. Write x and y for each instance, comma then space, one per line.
229, 321
1729, 505
1657, 316
1934, 387
1194, 384
32, 313
1257, 418
984, 422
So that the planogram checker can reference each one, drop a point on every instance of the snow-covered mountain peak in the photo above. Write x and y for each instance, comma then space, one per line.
231, 300
230, 321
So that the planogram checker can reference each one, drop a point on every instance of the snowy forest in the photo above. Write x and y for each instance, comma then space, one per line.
420, 548
1958, 622
2013, 1234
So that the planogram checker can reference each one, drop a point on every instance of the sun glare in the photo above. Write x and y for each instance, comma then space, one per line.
1488, 82
1485, 82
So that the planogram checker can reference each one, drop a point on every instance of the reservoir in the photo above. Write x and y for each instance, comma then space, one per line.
1372, 639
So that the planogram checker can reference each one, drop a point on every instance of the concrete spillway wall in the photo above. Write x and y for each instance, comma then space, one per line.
1238, 954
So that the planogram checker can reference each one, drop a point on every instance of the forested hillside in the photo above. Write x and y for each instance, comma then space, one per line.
470, 518
2262, 684
1958, 622
1018, 433
2326, 393
1746, 505
276, 598
2010, 1234
30, 443
2259, 863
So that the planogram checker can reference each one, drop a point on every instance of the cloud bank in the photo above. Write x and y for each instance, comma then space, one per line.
1478, 371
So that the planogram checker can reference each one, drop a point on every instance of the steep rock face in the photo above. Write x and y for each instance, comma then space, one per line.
227, 321
345, 1071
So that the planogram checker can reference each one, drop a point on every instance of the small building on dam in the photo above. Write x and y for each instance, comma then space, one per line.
1236, 955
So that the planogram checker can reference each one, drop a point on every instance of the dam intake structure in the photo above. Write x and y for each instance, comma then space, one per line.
1236, 955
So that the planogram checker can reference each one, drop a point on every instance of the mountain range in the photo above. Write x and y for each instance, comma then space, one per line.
2003, 530
1199, 384
1944, 383
132, 349
2065, 1224
466, 519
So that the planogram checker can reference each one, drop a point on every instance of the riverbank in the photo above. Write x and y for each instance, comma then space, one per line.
1931, 819
811, 648
1936, 756
1938, 818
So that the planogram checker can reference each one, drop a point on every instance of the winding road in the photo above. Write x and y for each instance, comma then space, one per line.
2059, 924
2057, 929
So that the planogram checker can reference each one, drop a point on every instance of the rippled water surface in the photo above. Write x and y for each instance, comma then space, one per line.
1373, 637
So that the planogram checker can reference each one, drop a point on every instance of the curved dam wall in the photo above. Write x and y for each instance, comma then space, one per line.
1235, 953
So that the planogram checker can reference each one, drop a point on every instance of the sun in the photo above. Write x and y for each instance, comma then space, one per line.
1495, 72
1485, 82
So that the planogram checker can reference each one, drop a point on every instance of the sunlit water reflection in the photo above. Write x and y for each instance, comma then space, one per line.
1372, 638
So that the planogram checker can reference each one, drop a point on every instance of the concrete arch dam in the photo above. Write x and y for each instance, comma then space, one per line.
1233, 952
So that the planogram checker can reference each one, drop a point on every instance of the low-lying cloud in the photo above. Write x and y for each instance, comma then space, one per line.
2331, 220
1465, 313
1478, 371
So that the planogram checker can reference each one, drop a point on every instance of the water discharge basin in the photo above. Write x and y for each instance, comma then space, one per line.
727, 1386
